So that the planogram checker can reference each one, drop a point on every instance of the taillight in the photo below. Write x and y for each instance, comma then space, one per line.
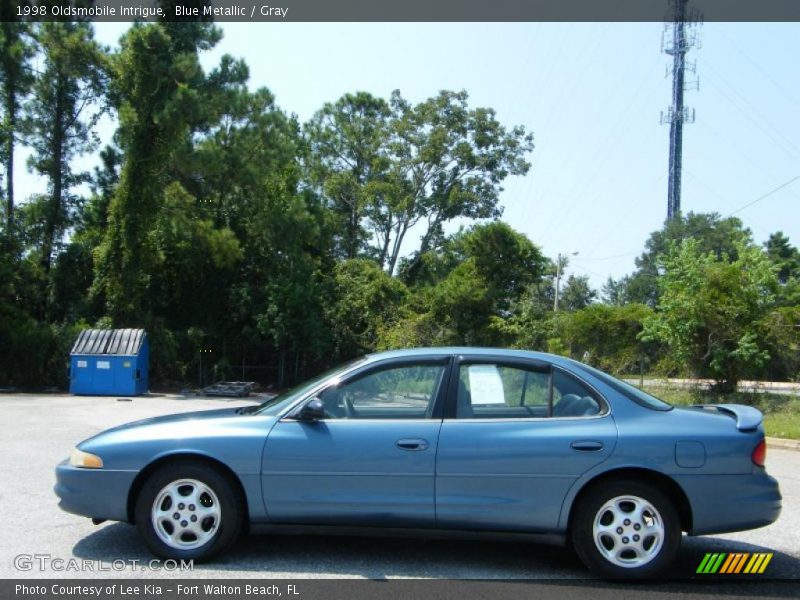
760, 453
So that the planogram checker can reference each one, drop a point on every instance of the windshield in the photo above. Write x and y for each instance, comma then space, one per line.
275, 405
640, 397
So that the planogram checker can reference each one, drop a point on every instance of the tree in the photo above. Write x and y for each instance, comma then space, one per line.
66, 103
365, 300
605, 336
709, 310
577, 293
70, 278
280, 297
245, 174
72, 274
16, 51
780, 330
504, 258
713, 234
162, 96
449, 161
347, 145
786, 259
92, 218
530, 325
189, 249
470, 286
784, 256
387, 167
615, 291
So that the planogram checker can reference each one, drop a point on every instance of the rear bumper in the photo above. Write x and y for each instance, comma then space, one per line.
96, 493
725, 503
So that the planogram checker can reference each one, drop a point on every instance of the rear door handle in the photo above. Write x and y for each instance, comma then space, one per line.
412, 444
587, 445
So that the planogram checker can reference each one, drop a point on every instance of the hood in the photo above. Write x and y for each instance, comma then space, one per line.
177, 418
178, 426
234, 438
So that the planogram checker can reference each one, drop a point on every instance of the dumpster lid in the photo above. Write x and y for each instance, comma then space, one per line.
123, 342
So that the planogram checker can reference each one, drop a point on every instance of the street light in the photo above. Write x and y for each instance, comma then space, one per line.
558, 277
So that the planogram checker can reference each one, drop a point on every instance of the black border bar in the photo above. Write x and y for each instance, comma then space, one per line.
400, 10
372, 589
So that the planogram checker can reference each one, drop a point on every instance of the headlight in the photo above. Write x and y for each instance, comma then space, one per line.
79, 458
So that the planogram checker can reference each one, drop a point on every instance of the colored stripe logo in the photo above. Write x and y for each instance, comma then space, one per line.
734, 563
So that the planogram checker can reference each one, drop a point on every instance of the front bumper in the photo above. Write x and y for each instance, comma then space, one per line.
725, 503
95, 493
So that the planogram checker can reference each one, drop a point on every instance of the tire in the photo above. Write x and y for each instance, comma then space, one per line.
189, 511
649, 525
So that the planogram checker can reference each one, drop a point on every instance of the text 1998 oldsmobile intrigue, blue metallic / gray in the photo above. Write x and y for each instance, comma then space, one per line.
438, 441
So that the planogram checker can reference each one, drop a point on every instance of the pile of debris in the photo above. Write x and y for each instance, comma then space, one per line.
230, 389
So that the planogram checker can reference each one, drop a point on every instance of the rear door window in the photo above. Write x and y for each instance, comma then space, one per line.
498, 391
495, 390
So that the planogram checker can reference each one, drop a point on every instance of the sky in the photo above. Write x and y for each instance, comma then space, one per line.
592, 95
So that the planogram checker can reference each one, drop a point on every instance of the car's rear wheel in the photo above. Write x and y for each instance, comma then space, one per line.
188, 511
626, 529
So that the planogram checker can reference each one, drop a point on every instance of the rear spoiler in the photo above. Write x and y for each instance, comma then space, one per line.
747, 417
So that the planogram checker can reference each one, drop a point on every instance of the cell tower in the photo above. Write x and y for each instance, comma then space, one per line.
680, 35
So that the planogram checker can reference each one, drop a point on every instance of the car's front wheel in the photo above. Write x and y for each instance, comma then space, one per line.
626, 529
188, 511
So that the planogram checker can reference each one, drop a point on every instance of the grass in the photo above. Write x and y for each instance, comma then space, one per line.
783, 425
781, 412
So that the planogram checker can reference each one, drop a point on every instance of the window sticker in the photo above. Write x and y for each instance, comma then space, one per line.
486, 385
103, 364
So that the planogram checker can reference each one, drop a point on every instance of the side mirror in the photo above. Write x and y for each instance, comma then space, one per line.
313, 410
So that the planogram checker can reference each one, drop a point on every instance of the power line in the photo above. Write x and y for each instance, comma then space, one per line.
582, 268
764, 196
784, 143
628, 211
767, 195
601, 258
578, 194
758, 67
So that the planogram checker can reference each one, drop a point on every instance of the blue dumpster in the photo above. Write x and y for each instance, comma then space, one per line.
109, 362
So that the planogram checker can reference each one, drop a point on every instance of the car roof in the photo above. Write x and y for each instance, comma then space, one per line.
470, 350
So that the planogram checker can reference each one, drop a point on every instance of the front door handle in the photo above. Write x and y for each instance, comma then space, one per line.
587, 445
412, 444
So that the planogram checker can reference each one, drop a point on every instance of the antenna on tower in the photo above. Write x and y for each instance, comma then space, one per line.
679, 36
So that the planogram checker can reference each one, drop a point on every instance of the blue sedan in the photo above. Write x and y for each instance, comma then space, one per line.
438, 442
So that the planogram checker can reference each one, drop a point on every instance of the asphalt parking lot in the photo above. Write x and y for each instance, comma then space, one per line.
39, 431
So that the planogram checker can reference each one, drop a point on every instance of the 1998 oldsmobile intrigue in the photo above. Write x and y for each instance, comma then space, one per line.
438, 441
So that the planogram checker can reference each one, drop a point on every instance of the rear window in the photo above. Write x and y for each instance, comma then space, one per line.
629, 391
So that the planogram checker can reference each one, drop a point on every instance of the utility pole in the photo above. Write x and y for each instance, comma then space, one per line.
558, 282
679, 36
561, 258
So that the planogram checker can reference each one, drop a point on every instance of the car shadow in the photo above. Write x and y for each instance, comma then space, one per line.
358, 557
385, 558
